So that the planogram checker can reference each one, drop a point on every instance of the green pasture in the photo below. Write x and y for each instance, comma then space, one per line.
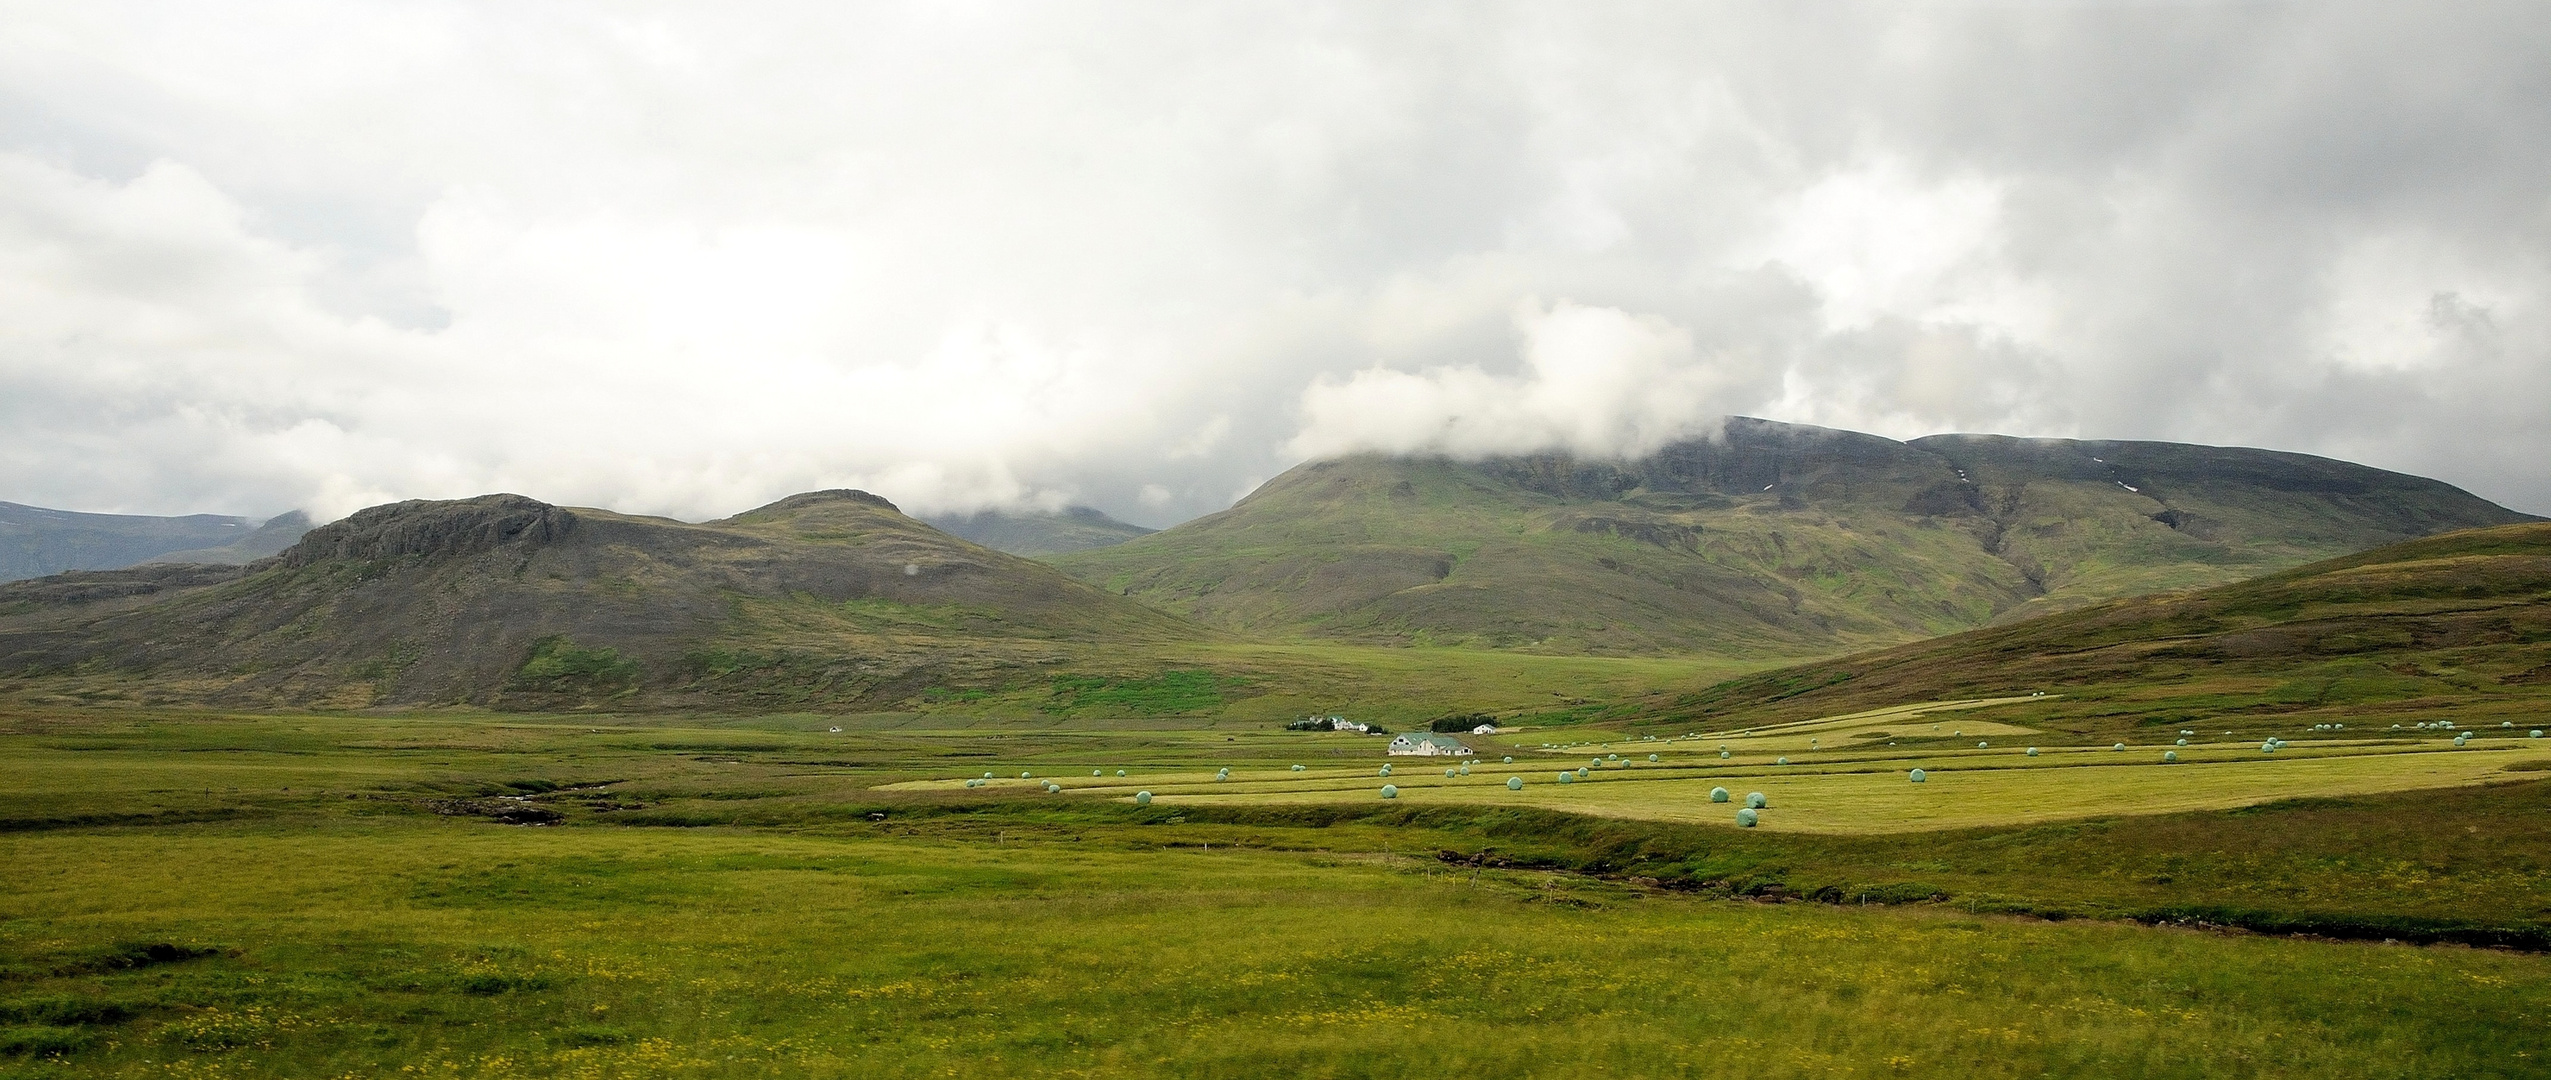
203, 894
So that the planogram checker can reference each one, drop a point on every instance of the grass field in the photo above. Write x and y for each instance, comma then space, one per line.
196, 894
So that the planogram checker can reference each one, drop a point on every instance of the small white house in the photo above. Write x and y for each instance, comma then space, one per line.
1428, 744
1484, 729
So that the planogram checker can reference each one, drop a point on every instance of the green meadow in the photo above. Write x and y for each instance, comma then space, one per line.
468, 895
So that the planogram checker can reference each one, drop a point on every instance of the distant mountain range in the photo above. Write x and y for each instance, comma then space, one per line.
1776, 540
35, 541
1776, 543
1078, 528
832, 596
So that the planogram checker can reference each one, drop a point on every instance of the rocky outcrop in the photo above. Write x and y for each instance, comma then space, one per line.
434, 530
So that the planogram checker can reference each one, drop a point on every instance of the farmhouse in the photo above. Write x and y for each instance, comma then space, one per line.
1429, 744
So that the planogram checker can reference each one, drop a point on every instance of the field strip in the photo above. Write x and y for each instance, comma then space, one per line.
1891, 712
1957, 793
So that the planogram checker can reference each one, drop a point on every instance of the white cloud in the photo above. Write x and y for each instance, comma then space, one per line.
685, 258
1595, 381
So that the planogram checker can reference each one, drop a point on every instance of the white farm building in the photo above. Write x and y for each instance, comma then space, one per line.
1429, 744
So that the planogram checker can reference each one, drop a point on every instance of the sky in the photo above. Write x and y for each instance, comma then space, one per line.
685, 259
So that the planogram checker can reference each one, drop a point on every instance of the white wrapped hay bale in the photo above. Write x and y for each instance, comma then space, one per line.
2169, 756
1386, 770
1724, 755
1783, 761
2032, 751
1567, 778
1390, 791
1756, 800
1718, 794
1510, 759
1514, 783
1652, 758
1918, 776
1142, 798
1746, 817
1297, 768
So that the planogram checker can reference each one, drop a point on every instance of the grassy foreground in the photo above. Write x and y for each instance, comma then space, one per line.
200, 895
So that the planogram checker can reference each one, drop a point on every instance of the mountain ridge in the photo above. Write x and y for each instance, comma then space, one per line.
1775, 537
453, 601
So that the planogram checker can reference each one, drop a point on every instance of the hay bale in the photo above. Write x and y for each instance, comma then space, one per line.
1142, 798
1120, 772
1024, 776
1783, 761
1510, 759
2032, 751
1386, 770
1390, 791
1094, 772
2119, 746
1652, 758
1581, 774
1756, 800
1724, 755
1449, 774
1982, 745
1297, 768
1746, 817
1918, 776
2169, 755
1718, 794
1567, 777
1514, 783
2182, 742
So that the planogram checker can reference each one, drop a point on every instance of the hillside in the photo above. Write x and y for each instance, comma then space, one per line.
1779, 540
1078, 528
35, 541
831, 596
2451, 627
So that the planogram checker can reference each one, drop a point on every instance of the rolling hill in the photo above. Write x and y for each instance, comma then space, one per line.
504, 600
1078, 528
1777, 540
2454, 627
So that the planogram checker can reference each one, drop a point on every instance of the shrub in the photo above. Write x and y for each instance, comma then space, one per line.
1454, 725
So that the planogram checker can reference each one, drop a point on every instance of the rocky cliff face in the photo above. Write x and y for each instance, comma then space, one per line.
434, 530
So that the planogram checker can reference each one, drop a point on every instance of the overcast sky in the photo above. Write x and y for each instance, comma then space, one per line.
687, 258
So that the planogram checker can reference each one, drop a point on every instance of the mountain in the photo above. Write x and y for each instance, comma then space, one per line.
1077, 528
1774, 540
831, 596
270, 539
35, 541
2450, 627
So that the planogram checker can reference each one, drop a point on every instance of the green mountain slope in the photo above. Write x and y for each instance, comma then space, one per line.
2451, 627
1779, 540
1078, 528
35, 541
506, 600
